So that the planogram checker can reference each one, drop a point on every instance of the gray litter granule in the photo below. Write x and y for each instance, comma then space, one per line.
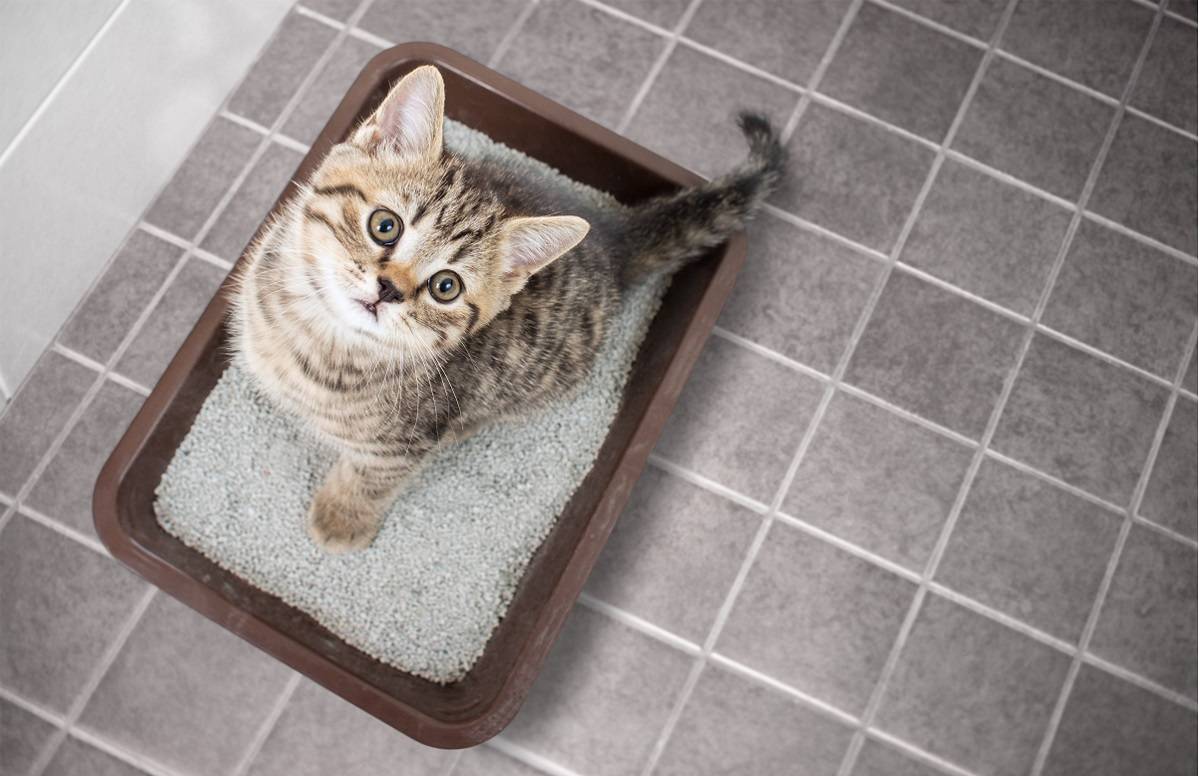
427, 594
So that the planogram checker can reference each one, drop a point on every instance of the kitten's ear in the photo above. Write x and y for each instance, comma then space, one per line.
410, 118
528, 244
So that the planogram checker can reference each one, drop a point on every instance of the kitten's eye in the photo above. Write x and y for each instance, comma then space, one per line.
385, 226
445, 286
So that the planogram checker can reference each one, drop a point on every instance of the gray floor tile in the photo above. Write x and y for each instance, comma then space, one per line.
878, 480
321, 98
1034, 128
1080, 419
878, 759
689, 113
987, 237
1185, 8
935, 353
1170, 498
281, 68
1113, 728
799, 294
473, 27
602, 697
203, 178
1092, 43
1166, 87
319, 733
174, 654
786, 39
241, 218
853, 177
1125, 298
1148, 623
64, 491
75, 758
62, 606
334, 9
664, 13
170, 321
733, 725
590, 61
902, 71
977, 18
22, 736
674, 554
1148, 183
37, 414
748, 449
104, 317
972, 691
485, 761
1029, 549
816, 618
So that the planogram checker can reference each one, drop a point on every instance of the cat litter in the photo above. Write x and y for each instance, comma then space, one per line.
426, 596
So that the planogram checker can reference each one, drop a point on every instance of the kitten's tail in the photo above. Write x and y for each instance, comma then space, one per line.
665, 233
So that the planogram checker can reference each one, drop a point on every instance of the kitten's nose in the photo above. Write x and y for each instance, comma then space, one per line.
388, 292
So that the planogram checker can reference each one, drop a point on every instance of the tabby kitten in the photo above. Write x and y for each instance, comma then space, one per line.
407, 296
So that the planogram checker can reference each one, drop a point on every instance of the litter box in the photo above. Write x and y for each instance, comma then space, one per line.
478, 706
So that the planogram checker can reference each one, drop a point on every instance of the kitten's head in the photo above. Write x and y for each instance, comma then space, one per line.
397, 248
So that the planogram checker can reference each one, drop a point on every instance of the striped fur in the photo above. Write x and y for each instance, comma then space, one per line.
387, 382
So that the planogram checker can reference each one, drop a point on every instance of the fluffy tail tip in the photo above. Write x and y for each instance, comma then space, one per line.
763, 139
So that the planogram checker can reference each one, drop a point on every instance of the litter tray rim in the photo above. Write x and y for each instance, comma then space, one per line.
497, 711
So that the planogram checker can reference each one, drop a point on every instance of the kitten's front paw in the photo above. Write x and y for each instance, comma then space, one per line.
340, 524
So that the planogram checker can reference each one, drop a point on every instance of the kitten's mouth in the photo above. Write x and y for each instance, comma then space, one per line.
370, 307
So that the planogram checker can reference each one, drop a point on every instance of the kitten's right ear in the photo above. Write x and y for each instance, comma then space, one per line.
409, 121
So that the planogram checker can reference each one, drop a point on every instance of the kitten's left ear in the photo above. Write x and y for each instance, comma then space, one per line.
528, 244
410, 119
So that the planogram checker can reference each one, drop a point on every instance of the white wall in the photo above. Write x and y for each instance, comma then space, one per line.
102, 100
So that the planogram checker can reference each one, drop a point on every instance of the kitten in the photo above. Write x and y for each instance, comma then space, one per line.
407, 297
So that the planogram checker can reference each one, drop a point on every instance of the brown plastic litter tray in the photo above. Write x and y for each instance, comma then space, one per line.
478, 707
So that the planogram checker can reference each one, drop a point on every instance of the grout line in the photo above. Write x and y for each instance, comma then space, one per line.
242, 121
63, 529
317, 16
1180, 18
81, 700
1141, 114
995, 615
132, 385
212, 258
61, 82
136, 759
708, 484
76, 356
46, 715
815, 79
946, 285
822, 231
636, 21
962, 37
290, 143
529, 757
849, 110
1170, 533
745, 67
5, 393
876, 697
761, 534
1110, 571
1061, 80
164, 235
919, 754
795, 693
514, 30
1139, 237
847, 546
639, 624
1074, 490
1004, 177
267, 725
657, 67
1149, 685
768, 353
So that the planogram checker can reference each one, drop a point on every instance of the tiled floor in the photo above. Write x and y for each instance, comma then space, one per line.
928, 504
